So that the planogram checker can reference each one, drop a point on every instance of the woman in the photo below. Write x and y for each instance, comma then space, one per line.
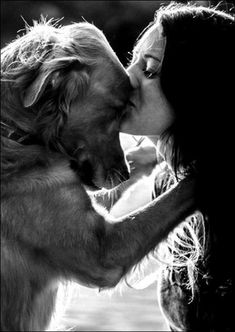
182, 73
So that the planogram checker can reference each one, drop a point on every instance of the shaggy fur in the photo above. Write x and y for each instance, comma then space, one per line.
64, 93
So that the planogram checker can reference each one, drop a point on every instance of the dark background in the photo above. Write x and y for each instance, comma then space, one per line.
121, 21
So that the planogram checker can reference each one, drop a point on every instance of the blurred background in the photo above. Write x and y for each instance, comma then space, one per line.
121, 21
131, 309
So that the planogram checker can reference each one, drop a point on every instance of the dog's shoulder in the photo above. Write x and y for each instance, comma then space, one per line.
37, 202
42, 186
39, 178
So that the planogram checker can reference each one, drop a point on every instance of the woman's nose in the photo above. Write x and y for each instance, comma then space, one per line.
135, 75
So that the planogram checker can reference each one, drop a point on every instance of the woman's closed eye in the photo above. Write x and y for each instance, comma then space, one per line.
152, 68
150, 74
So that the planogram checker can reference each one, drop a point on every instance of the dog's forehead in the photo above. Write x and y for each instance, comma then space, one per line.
109, 80
112, 82
109, 71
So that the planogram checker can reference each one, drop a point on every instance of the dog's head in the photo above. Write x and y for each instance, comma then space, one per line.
69, 90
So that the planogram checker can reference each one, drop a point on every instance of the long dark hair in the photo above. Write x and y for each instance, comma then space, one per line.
197, 78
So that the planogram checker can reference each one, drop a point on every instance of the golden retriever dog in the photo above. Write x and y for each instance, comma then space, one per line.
64, 95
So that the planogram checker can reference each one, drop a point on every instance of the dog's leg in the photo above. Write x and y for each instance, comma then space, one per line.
109, 197
64, 237
80, 243
130, 239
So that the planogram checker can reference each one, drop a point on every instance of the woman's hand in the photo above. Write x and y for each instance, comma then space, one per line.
141, 160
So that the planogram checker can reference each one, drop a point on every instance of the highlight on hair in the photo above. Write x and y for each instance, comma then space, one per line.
189, 29
185, 246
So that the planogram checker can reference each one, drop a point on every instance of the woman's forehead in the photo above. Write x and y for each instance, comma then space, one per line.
152, 41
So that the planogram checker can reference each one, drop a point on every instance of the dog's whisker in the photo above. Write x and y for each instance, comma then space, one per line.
119, 175
114, 192
112, 196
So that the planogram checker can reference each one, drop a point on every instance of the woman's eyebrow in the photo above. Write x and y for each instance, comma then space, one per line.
148, 55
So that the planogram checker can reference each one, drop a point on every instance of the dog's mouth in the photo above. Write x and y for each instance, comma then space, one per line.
95, 176
85, 172
110, 178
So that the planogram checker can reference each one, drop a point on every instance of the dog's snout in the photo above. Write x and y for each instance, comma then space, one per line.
125, 173
122, 171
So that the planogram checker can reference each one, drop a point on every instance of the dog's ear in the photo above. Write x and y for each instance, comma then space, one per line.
48, 72
36, 88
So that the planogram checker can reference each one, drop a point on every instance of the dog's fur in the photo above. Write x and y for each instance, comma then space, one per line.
63, 96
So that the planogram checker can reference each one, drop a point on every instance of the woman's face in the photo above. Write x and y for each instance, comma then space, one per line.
150, 113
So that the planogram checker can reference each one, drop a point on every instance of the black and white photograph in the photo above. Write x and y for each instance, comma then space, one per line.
117, 122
